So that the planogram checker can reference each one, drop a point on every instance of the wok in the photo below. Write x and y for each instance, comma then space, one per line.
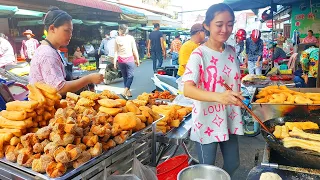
298, 157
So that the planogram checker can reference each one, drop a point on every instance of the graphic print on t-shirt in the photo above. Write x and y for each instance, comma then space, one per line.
209, 70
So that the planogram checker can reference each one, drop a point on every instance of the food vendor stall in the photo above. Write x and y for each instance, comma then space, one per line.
292, 118
89, 136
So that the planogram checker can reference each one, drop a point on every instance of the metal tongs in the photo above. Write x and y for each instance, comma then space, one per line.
265, 128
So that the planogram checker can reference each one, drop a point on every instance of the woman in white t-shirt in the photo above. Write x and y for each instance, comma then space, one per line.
216, 111
126, 54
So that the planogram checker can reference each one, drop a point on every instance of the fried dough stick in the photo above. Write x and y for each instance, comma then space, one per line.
290, 142
296, 132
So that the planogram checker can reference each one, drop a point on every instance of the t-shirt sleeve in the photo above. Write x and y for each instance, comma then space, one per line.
193, 68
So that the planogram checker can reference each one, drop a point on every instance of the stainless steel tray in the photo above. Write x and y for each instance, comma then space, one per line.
97, 162
267, 111
184, 118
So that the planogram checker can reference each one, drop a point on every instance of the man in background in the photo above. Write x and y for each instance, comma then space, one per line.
103, 49
175, 48
197, 37
156, 44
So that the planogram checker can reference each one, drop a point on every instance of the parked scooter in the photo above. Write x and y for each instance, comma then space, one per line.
109, 72
165, 79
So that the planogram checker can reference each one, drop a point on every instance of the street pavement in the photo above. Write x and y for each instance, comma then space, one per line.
251, 148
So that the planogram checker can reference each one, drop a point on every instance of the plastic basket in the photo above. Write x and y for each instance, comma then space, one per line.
169, 169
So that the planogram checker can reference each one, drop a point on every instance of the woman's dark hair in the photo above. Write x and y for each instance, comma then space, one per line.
124, 29
310, 31
56, 17
213, 11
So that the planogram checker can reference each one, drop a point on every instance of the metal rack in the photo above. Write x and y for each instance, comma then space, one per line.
118, 160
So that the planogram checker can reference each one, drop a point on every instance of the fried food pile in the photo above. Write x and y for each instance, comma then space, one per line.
292, 135
174, 114
21, 117
163, 95
150, 99
83, 127
283, 95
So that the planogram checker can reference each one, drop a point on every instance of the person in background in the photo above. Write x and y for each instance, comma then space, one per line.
254, 50
298, 77
47, 65
309, 60
78, 57
142, 48
197, 37
103, 49
111, 43
175, 48
211, 66
310, 38
240, 37
281, 39
91, 52
28, 46
156, 44
277, 53
126, 54
7, 56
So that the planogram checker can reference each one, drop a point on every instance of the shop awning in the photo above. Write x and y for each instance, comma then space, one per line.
239, 5
97, 4
40, 22
7, 10
92, 23
21, 13
131, 15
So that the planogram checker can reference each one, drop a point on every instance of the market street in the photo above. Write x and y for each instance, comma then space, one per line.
141, 83
249, 146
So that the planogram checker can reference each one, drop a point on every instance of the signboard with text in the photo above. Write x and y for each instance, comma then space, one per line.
304, 18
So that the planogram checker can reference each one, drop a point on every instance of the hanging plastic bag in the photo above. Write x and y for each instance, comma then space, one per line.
143, 172
123, 177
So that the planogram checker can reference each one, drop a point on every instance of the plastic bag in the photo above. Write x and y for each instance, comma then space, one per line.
123, 177
141, 171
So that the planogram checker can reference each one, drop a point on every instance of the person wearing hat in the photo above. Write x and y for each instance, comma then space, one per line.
103, 49
277, 54
175, 48
28, 46
197, 37
254, 52
111, 43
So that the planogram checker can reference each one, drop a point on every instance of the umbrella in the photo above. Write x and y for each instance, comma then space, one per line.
7, 10
239, 5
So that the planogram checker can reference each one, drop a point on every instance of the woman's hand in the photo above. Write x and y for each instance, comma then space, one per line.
230, 98
137, 63
96, 78
258, 63
115, 65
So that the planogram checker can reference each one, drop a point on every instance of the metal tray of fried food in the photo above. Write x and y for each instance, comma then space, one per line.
168, 132
267, 111
28, 173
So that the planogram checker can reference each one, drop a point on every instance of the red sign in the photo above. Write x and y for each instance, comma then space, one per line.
269, 23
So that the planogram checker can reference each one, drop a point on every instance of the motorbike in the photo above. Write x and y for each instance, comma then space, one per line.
109, 72
165, 79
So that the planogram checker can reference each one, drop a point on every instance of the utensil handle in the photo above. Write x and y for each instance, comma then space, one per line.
249, 110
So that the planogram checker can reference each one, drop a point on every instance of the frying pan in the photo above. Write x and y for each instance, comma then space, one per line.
298, 157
